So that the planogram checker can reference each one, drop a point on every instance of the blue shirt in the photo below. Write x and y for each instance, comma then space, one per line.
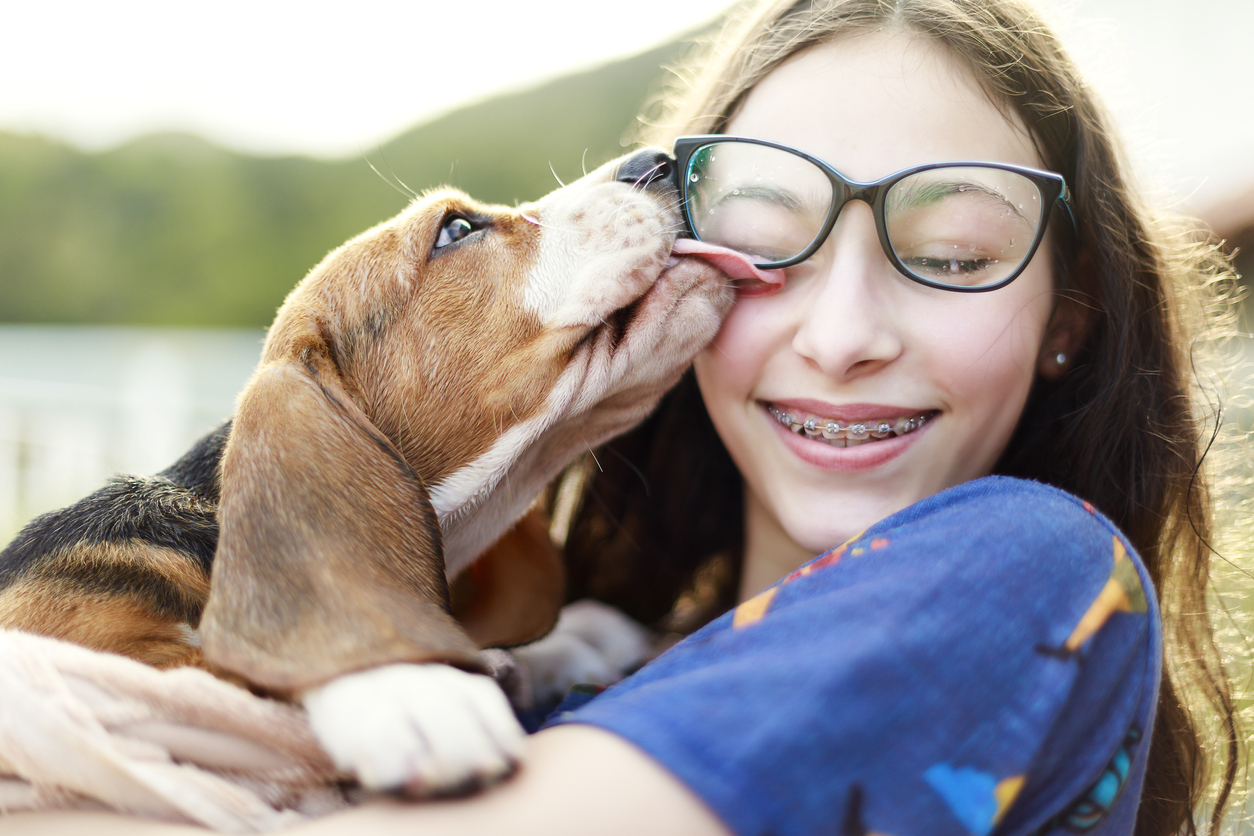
984, 661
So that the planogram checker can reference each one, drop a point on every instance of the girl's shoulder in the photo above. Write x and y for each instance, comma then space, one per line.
1016, 520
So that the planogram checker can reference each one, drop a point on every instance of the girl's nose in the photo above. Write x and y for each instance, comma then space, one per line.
848, 328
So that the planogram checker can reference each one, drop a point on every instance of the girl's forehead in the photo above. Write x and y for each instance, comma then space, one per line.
871, 104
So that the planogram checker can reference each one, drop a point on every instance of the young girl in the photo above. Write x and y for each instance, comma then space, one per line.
982, 653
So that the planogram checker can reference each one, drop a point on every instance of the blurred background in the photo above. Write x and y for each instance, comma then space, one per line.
168, 172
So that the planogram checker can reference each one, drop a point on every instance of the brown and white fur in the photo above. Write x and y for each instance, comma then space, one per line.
417, 390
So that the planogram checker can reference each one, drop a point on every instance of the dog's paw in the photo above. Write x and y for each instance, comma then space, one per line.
425, 729
592, 643
510, 676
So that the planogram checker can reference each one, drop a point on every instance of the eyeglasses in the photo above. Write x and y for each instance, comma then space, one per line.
964, 226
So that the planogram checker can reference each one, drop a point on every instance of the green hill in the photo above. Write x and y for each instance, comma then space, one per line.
170, 229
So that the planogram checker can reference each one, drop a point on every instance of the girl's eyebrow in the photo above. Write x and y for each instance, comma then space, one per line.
935, 191
778, 196
782, 197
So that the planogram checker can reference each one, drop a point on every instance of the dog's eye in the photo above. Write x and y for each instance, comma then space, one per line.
455, 229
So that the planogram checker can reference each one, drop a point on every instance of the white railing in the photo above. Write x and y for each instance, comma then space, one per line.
78, 405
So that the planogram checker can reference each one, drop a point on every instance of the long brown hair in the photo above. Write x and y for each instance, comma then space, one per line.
661, 517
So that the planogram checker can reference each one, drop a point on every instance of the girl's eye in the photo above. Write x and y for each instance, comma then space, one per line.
455, 229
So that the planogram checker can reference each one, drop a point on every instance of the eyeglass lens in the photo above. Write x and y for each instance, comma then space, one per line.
962, 226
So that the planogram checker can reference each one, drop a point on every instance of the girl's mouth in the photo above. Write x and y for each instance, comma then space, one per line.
853, 433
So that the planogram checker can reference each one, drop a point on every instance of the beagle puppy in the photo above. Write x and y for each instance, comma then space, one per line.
416, 392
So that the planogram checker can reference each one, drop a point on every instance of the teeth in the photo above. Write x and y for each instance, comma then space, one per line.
833, 432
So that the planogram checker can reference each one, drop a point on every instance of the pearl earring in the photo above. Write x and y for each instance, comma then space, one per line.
1060, 359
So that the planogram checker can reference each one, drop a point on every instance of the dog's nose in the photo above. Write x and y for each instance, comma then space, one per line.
651, 168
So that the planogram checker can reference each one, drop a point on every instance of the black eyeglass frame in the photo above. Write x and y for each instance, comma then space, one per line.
1052, 187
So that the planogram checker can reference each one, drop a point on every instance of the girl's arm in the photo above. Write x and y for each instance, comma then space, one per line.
577, 780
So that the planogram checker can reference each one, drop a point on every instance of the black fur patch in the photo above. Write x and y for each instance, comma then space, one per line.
176, 510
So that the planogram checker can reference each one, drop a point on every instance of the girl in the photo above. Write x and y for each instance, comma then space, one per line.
981, 655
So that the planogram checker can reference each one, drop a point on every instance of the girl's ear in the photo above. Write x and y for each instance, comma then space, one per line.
1064, 335
1068, 327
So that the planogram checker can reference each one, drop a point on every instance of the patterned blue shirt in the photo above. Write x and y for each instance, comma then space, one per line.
985, 661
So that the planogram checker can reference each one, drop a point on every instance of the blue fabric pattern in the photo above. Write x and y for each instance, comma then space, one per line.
985, 661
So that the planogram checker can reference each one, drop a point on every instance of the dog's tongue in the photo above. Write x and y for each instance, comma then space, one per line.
735, 264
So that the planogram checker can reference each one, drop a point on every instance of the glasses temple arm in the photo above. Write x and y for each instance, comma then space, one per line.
1065, 199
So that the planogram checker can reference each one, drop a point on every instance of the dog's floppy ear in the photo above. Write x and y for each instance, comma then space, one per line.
513, 593
329, 556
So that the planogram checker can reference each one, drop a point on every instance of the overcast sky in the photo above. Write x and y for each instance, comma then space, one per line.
279, 76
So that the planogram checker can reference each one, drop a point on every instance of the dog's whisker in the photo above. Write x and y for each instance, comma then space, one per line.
391, 177
385, 179
531, 219
555, 175
618, 210
648, 177
408, 189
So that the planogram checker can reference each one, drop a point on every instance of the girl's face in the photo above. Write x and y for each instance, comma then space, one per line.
848, 338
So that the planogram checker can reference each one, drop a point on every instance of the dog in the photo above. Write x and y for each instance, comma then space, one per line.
416, 392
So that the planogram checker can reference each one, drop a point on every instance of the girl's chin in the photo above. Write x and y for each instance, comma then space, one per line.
822, 512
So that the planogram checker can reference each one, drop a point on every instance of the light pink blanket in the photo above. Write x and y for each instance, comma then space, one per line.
81, 729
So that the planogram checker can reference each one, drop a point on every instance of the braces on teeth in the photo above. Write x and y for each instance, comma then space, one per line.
858, 430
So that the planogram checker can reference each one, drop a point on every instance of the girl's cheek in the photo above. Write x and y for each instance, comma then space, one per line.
984, 352
730, 367
739, 339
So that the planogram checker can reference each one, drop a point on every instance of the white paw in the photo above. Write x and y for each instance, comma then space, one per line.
426, 729
592, 643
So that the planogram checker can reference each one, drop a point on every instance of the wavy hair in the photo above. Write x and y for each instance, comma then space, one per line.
660, 526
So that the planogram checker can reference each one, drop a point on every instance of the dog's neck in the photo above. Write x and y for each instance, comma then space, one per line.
477, 503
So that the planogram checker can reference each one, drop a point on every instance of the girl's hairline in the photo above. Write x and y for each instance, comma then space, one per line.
895, 26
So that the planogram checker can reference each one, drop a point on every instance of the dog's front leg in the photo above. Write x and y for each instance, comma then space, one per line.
328, 586
425, 729
592, 644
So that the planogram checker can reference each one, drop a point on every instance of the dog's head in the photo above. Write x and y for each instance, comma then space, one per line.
457, 325
416, 392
